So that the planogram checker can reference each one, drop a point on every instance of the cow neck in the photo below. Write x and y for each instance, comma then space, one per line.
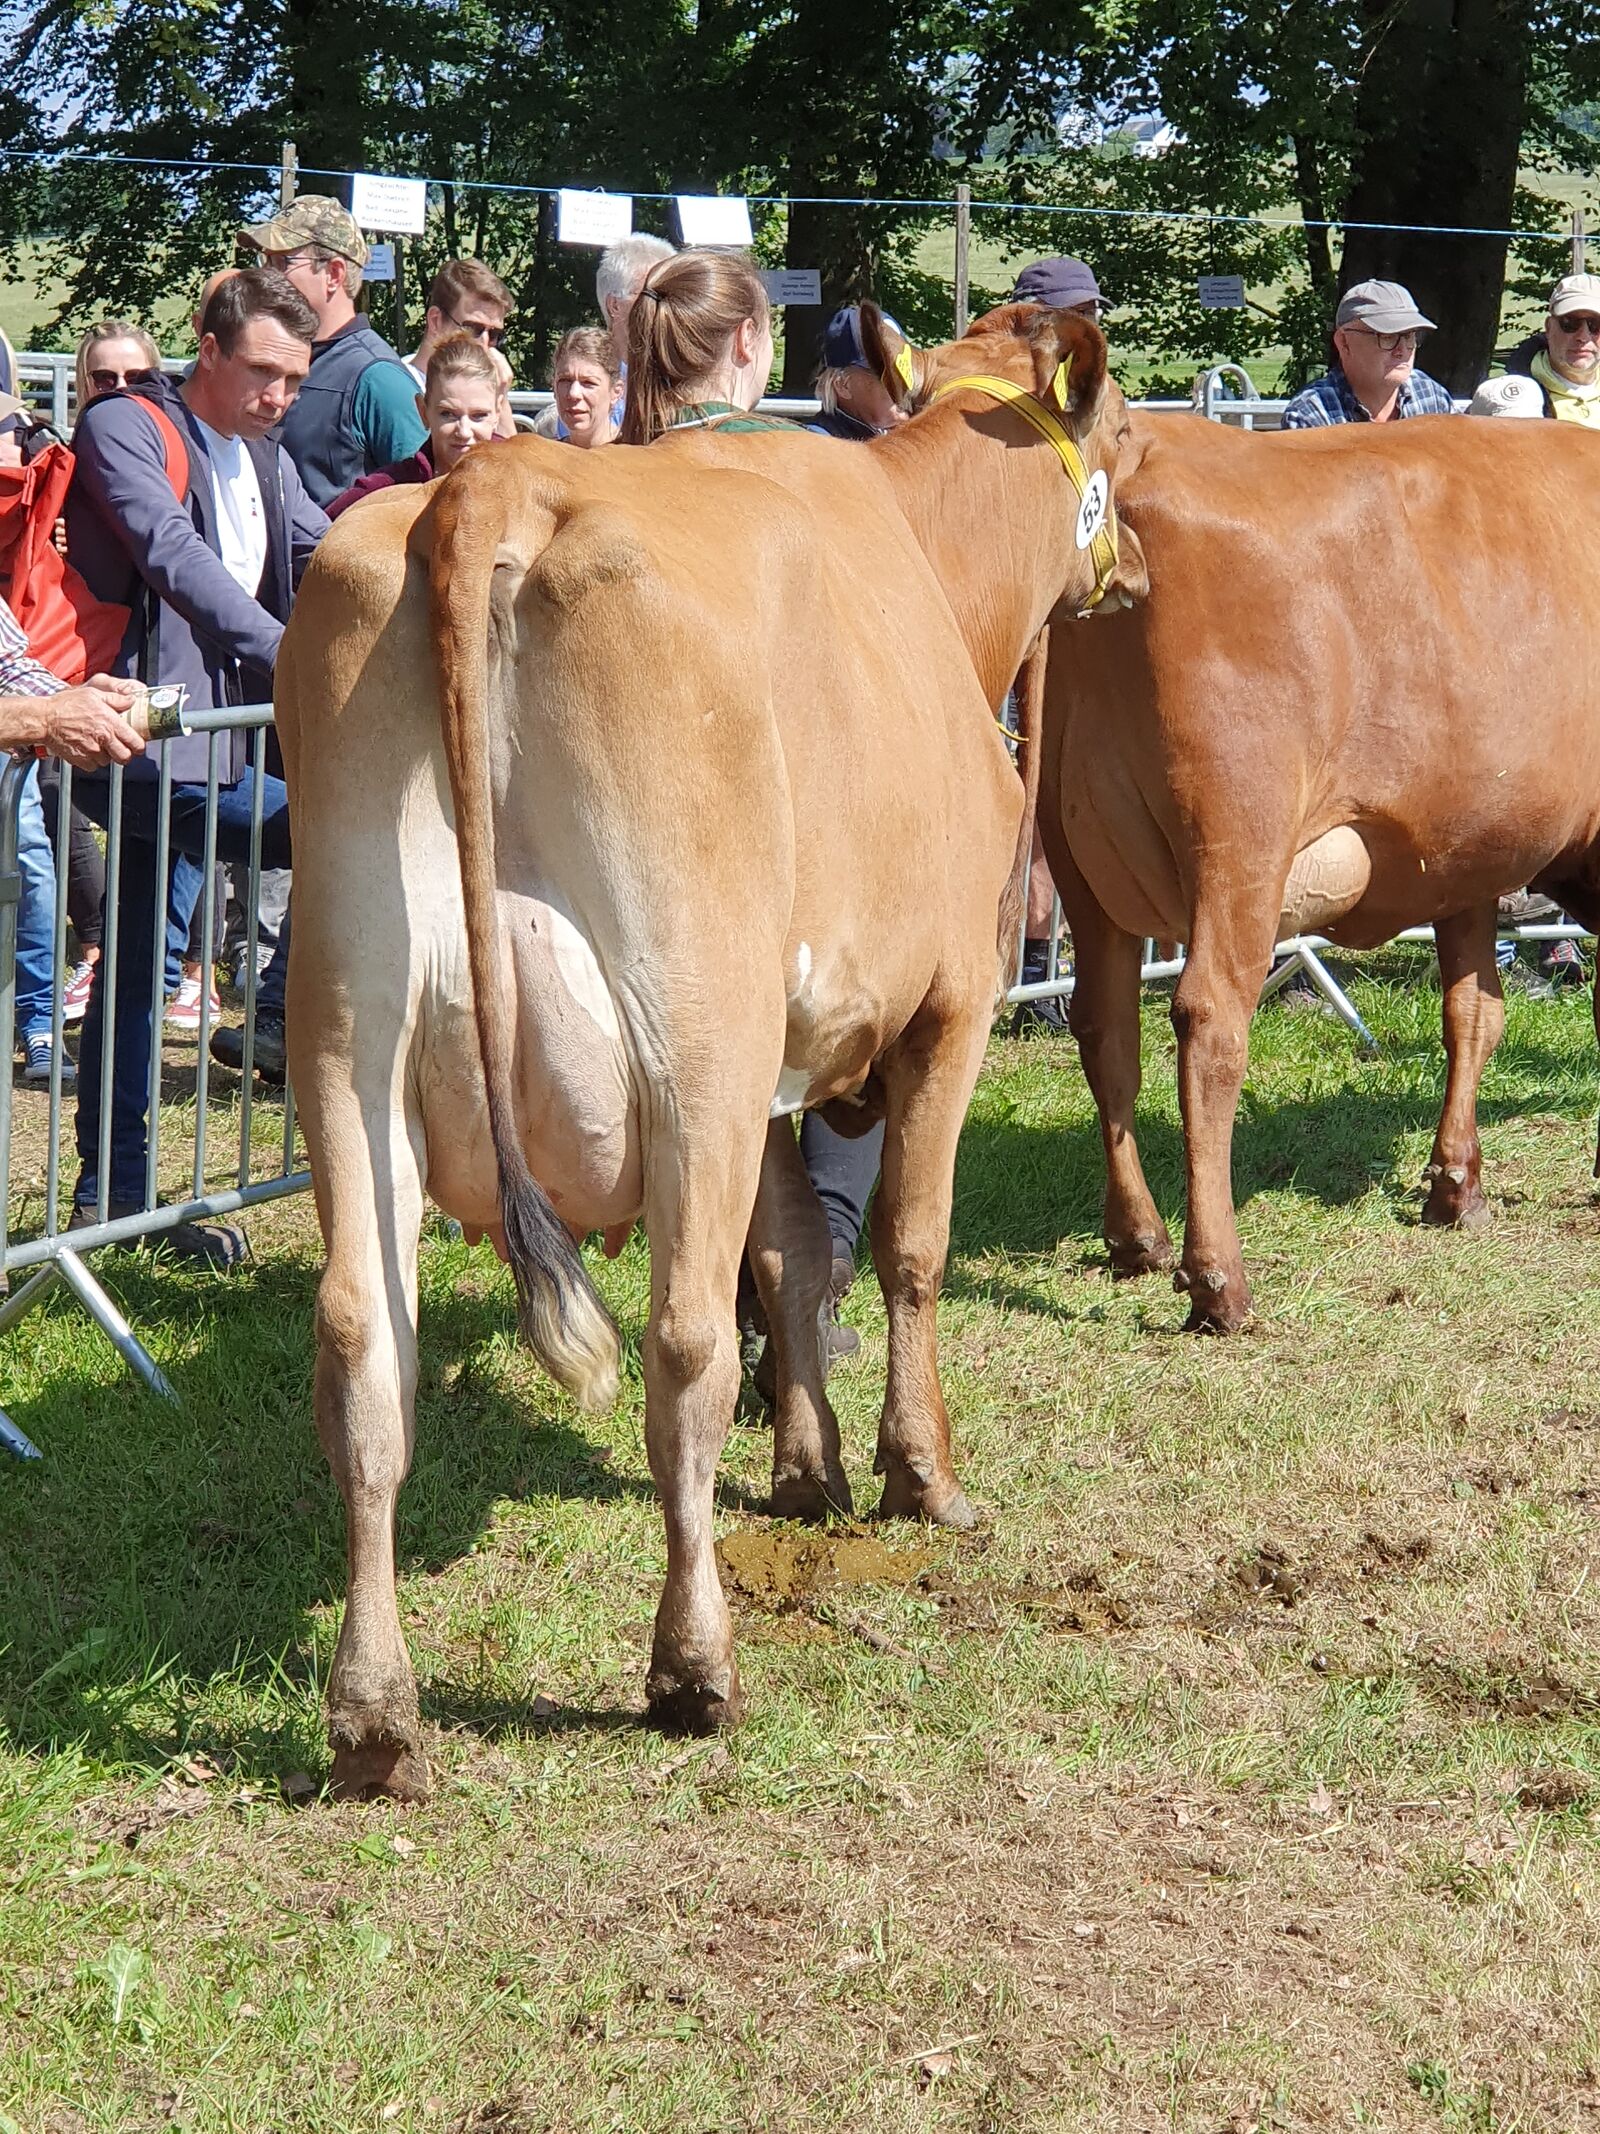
966, 488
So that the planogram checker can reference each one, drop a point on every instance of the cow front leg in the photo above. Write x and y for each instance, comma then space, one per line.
1474, 1021
929, 1075
1104, 1016
700, 1195
1222, 978
792, 1255
366, 1379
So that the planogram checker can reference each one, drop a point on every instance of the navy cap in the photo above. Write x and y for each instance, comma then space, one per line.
1060, 283
842, 347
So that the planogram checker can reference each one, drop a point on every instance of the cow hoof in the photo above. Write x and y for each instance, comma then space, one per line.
1216, 1304
1452, 1210
380, 1770
812, 1497
696, 1707
1131, 1257
941, 1502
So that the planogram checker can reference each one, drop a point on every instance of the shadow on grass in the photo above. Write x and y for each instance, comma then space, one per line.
467, 1710
162, 1563
1023, 1187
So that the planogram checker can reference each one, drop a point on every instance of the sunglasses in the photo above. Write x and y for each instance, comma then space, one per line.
480, 329
1580, 322
107, 381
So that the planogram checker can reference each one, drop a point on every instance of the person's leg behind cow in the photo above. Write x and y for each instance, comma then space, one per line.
1474, 1022
791, 1255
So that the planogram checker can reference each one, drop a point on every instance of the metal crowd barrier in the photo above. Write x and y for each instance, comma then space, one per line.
55, 1254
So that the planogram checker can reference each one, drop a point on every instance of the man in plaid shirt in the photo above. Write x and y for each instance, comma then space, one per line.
1374, 376
40, 714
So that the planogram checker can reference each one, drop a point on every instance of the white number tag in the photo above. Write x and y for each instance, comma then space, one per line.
1092, 511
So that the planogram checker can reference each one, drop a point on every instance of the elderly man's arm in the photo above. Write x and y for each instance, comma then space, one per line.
87, 726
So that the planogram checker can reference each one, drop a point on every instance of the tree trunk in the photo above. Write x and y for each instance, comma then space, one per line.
1440, 110
836, 241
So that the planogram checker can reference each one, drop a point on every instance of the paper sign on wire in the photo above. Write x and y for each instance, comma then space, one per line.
592, 218
398, 204
714, 219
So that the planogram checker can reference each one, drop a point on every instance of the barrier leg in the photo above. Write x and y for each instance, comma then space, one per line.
1336, 997
32, 1293
112, 1324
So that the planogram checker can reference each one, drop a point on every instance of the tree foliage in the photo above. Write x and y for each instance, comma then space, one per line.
1290, 117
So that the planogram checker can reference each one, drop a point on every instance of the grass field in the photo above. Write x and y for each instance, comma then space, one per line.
1236, 1775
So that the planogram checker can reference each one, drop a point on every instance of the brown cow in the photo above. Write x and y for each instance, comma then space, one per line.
1355, 701
641, 799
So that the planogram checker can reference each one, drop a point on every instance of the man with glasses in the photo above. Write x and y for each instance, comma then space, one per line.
467, 297
1564, 360
357, 410
1373, 377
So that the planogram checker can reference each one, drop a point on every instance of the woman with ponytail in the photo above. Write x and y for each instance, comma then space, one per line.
699, 348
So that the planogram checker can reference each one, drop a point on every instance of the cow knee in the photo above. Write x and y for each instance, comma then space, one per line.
686, 1345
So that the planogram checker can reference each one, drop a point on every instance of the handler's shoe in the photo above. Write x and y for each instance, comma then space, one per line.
210, 1244
1047, 1016
1564, 965
227, 1047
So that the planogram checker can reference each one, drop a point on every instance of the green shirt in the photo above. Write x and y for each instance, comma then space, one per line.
722, 415
384, 414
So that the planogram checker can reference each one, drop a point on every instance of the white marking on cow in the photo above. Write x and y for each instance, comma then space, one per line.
580, 972
802, 958
1092, 511
794, 1084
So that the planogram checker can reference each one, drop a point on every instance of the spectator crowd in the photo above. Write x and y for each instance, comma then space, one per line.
196, 502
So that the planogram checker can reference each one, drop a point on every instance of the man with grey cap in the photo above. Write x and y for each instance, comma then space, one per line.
1373, 377
1564, 360
357, 410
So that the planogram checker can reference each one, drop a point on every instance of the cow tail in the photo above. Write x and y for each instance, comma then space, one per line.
1028, 696
561, 1315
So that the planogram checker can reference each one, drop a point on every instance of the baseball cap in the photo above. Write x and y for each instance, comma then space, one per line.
1060, 283
313, 219
1384, 307
842, 346
1507, 396
1575, 292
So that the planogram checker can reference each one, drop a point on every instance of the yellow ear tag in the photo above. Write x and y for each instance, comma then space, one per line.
1061, 384
902, 364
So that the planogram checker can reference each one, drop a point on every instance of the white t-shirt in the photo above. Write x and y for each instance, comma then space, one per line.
241, 517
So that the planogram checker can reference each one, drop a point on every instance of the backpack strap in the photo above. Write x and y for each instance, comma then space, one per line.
174, 446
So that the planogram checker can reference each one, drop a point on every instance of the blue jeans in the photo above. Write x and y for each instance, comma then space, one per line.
36, 915
136, 908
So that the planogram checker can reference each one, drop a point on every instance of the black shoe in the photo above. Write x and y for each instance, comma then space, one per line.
209, 1244
1047, 1016
227, 1048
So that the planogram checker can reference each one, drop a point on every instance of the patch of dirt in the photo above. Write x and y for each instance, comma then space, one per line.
780, 1571
1555, 1790
1384, 1554
1271, 1573
1460, 1687
127, 1820
1079, 1605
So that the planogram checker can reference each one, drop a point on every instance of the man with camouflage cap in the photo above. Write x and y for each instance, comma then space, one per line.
357, 410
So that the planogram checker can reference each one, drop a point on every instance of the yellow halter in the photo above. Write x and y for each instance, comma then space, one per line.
1097, 522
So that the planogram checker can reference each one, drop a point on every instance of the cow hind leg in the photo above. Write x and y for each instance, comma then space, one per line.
1104, 1016
366, 1375
930, 1074
792, 1255
1229, 951
700, 1193
1474, 1020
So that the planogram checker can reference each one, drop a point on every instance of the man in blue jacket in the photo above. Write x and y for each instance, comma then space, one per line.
357, 411
208, 576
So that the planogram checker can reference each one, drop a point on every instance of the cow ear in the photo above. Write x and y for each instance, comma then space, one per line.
1069, 366
890, 356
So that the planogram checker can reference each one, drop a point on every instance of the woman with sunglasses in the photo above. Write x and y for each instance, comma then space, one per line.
1564, 359
112, 354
